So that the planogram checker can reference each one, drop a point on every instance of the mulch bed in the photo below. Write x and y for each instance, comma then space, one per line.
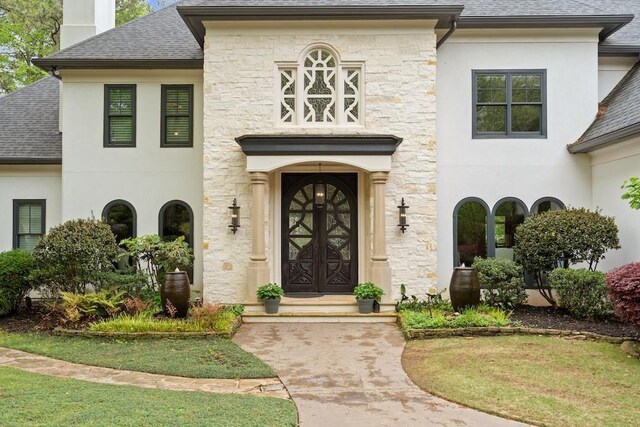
34, 320
551, 318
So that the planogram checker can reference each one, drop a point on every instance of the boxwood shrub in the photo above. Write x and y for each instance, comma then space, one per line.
502, 282
15, 269
582, 292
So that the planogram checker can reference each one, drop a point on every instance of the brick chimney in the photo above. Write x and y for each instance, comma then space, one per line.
82, 19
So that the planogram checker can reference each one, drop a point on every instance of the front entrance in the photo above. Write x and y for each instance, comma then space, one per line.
319, 233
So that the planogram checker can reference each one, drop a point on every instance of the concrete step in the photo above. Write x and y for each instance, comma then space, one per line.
327, 304
318, 317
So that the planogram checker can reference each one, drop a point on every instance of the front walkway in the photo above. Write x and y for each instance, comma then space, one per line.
350, 374
271, 387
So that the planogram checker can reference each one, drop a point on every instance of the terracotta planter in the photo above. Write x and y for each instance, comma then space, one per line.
176, 289
464, 288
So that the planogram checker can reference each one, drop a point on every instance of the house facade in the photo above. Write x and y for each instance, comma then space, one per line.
319, 120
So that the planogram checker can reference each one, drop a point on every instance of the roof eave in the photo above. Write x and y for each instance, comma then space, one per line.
609, 23
50, 64
606, 140
618, 50
195, 15
30, 161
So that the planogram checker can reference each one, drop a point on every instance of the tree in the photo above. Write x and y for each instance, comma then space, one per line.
31, 28
562, 238
632, 193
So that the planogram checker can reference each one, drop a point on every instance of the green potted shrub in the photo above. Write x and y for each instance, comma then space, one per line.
270, 294
366, 294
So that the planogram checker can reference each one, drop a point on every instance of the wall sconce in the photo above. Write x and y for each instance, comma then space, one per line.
235, 216
402, 217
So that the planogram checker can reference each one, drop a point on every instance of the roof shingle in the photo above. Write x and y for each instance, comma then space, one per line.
29, 132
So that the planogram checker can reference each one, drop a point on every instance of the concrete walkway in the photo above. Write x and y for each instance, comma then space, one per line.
271, 387
350, 374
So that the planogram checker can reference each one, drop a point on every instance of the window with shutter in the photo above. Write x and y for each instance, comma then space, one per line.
120, 116
28, 223
177, 116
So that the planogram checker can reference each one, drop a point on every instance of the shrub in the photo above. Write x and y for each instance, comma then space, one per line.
77, 307
71, 256
632, 193
134, 284
561, 238
582, 292
15, 269
502, 281
624, 289
368, 291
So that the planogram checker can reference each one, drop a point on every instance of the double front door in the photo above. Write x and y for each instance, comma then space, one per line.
319, 233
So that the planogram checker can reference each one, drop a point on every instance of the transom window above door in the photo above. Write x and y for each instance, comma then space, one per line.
509, 104
320, 89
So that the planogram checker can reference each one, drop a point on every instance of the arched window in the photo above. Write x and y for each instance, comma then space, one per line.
470, 230
320, 90
508, 213
546, 204
120, 215
176, 219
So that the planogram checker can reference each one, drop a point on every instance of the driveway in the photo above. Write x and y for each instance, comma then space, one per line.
350, 374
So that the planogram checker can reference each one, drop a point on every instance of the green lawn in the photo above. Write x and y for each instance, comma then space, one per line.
30, 399
541, 380
195, 357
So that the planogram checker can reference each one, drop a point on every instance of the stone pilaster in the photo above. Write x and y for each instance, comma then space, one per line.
379, 269
258, 264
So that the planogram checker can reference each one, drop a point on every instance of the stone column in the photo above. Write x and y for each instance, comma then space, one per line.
258, 264
380, 271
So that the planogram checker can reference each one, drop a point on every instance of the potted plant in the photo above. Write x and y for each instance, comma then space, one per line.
366, 294
270, 294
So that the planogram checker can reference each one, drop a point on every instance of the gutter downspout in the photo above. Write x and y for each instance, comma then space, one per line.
454, 26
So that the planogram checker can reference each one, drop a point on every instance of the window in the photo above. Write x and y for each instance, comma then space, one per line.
28, 223
320, 90
121, 217
508, 213
547, 204
177, 116
119, 115
176, 219
509, 104
470, 219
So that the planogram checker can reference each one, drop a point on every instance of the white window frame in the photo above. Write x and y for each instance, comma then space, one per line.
298, 68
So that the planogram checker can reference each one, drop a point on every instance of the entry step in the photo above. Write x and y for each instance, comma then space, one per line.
319, 317
326, 304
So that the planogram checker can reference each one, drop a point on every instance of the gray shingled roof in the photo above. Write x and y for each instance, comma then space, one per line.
159, 36
164, 37
29, 131
618, 118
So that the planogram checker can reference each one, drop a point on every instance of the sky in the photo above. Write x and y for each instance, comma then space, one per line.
154, 3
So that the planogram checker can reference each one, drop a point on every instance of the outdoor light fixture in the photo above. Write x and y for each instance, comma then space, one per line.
402, 217
235, 216
319, 190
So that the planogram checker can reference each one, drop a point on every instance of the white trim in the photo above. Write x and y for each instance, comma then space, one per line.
271, 163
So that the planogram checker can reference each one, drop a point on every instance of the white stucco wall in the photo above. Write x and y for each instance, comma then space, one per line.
28, 182
524, 168
239, 98
147, 176
611, 166
610, 71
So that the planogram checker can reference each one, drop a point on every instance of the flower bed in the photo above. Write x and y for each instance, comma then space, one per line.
443, 318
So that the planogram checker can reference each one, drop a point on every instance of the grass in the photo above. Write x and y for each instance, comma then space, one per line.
36, 400
192, 357
441, 319
145, 323
540, 380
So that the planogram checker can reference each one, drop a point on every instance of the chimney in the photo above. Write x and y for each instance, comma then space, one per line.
82, 19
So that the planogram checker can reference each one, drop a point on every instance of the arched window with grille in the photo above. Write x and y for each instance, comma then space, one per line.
320, 90
120, 215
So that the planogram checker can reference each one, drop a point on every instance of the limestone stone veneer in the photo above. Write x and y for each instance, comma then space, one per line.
241, 97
